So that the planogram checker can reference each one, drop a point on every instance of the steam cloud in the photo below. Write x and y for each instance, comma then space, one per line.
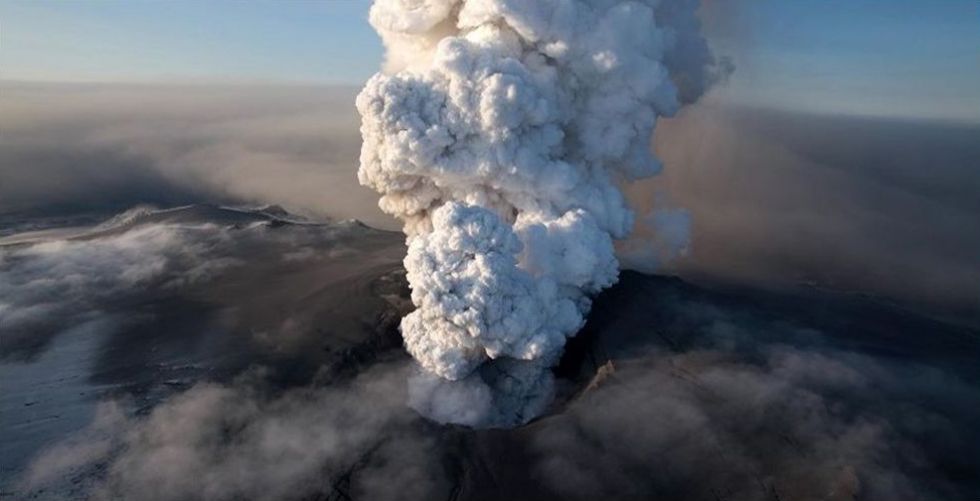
498, 134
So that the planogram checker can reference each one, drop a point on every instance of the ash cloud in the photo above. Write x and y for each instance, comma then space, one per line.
78, 148
497, 135
778, 199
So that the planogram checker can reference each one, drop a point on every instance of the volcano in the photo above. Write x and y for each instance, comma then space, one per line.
675, 389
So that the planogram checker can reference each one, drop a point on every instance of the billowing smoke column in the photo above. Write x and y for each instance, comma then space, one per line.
498, 133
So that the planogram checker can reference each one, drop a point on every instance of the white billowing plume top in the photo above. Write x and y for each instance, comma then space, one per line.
498, 133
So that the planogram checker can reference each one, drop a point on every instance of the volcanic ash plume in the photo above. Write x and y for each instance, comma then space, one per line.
498, 133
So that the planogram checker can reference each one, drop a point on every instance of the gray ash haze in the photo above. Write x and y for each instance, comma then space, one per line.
877, 206
199, 300
868, 205
108, 147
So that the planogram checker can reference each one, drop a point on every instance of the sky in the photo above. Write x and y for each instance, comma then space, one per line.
898, 58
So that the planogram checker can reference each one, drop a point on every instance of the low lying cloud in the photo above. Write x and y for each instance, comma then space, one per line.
247, 441
716, 396
151, 301
707, 424
49, 286
141, 259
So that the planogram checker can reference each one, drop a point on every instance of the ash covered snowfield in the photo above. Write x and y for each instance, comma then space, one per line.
499, 133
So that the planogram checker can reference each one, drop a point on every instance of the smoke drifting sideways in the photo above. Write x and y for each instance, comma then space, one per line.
498, 133
877, 207
72, 149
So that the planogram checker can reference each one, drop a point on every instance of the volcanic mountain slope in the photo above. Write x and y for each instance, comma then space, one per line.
683, 392
252, 342
152, 302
